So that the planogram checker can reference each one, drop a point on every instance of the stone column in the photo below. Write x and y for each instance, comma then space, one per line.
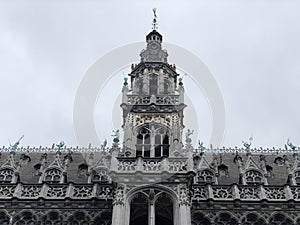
184, 206
152, 207
118, 206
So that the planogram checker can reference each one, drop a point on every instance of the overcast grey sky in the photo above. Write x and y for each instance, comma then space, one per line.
251, 47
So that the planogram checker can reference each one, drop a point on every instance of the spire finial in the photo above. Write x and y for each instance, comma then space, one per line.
154, 24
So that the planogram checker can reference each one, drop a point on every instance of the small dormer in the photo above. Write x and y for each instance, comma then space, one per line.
9, 171
53, 173
253, 173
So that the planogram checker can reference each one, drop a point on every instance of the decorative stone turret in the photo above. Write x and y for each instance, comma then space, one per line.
153, 104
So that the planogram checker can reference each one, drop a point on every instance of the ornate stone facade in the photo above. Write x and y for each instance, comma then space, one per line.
150, 177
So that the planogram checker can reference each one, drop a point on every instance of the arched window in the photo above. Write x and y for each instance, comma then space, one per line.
100, 176
53, 176
139, 210
25, 218
4, 218
280, 219
253, 177
200, 219
225, 219
151, 207
162, 143
253, 219
164, 210
52, 218
205, 176
6, 175
78, 218
143, 142
152, 137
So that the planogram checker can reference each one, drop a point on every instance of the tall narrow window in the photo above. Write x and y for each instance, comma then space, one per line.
153, 85
143, 142
153, 137
163, 210
162, 143
139, 210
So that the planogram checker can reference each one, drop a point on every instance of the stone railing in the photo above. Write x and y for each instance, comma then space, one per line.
56, 191
152, 165
223, 150
261, 150
245, 192
159, 100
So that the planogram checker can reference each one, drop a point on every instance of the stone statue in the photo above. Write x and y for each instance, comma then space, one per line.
248, 145
60, 145
293, 147
290, 144
188, 135
116, 136
103, 146
15, 145
152, 99
180, 81
125, 81
201, 147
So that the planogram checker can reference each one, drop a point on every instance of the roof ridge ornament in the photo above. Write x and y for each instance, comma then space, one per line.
15, 145
247, 145
154, 23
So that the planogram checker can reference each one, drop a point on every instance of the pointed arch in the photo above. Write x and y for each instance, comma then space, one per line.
225, 218
199, 218
139, 212
254, 176
153, 193
152, 139
52, 218
54, 173
6, 175
4, 218
280, 219
25, 218
79, 218
205, 176
8, 170
253, 219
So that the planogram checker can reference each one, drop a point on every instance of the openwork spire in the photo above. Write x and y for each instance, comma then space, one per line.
154, 23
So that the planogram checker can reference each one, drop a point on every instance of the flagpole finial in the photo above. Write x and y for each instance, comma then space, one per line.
154, 24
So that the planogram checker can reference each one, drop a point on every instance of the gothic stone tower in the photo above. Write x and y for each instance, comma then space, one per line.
152, 167
153, 106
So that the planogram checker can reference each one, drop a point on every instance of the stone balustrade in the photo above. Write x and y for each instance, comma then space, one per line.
105, 192
77, 149
245, 192
56, 191
159, 100
150, 165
